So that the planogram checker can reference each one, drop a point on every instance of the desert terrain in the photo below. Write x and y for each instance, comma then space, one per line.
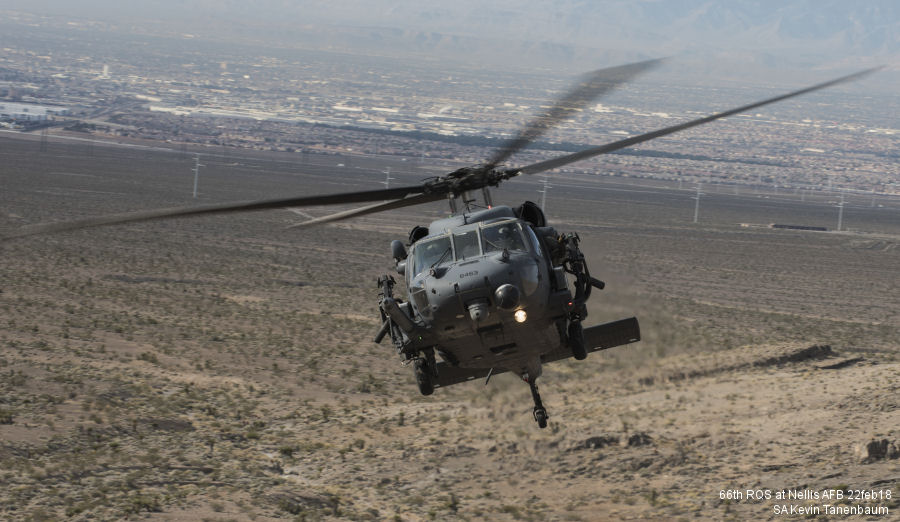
222, 368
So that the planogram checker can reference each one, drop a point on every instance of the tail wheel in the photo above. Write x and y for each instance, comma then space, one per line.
424, 377
576, 341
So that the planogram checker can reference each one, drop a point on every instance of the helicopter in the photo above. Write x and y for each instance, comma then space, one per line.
490, 288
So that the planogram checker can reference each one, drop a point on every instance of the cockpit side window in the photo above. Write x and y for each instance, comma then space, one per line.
432, 252
502, 236
535, 243
466, 245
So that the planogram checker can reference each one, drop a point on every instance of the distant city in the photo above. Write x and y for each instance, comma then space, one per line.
72, 80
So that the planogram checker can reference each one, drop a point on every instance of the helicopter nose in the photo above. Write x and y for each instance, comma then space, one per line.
507, 296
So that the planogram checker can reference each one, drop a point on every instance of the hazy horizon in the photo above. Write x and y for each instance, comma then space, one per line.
740, 41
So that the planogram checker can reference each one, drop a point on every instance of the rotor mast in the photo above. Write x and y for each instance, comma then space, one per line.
469, 200
463, 185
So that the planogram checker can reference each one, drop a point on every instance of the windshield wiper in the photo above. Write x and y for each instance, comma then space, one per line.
439, 261
495, 245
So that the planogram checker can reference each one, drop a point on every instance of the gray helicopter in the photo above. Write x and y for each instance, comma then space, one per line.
490, 289
488, 293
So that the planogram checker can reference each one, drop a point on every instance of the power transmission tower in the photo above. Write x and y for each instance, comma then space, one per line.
840, 212
543, 191
196, 171
697, 204
387, 178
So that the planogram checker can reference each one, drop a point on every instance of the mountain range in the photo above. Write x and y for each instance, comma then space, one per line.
752, 34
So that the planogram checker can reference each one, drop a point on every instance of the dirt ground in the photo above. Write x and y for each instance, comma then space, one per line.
223, 368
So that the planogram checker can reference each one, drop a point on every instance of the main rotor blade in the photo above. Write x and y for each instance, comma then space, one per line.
226, 208
371, 209
591, 86
534, 168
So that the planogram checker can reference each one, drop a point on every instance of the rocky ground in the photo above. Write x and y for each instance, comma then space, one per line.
223, 369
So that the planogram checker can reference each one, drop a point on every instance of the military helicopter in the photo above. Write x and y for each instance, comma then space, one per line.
489, 289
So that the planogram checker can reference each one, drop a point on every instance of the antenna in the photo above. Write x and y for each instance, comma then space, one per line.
486, 195
196, 170
468, 200
697, 205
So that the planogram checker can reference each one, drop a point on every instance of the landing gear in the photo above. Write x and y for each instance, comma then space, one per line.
576, 341
540, 414
423, 377
425, 366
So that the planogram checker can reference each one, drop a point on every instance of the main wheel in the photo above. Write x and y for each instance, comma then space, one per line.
423, 377
540, 415
576, 341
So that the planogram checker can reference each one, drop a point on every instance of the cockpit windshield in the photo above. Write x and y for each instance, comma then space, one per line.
502, 236
466, 245
432, 252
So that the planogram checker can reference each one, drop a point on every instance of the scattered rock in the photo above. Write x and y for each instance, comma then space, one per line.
598, 442
233, 437
814, 352
638, 464
296, 504
878, 449
176, 425
274, 467
459, 451
512, 447
639, 439
114, 397
778, 467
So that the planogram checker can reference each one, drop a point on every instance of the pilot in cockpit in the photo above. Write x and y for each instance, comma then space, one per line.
503, 237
